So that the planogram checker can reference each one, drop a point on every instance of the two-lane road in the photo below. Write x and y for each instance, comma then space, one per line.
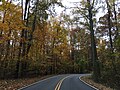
73, 83
60, 82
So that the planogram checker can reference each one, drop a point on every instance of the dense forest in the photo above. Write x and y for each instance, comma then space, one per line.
35, 40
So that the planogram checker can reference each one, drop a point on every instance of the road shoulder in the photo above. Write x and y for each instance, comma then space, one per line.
15, 84
91, 83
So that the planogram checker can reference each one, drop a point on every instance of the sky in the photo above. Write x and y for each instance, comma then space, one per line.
67, 3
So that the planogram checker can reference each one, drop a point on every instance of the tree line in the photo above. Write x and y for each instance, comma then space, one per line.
34, 41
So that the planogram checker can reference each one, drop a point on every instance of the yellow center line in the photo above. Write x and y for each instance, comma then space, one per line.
60, 82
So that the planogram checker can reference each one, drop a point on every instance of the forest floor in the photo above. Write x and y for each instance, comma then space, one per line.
15, 84
100, 86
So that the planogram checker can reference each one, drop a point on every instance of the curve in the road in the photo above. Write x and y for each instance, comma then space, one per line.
60, 82
73, 82
87, 83
46, 84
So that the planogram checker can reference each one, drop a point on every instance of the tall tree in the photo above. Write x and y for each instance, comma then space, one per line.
96, 69
110, 34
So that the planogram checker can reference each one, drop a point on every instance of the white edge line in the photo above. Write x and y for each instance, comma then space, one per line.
88, 84
36, 82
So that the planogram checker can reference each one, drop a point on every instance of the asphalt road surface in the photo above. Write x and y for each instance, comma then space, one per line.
60, 82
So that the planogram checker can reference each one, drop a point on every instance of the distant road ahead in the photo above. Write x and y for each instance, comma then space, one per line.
60, 82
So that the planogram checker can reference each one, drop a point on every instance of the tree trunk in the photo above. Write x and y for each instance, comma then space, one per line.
96, 69
22, 49
110, 37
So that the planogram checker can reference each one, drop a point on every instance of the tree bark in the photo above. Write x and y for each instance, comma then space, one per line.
22, 48
96, 69
110, 36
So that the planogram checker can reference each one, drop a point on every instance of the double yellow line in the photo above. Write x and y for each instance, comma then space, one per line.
60, 82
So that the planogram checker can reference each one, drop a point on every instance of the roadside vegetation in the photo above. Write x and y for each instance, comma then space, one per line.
99, 86
36, 41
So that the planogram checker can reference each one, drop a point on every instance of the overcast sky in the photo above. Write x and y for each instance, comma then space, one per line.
67, 3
